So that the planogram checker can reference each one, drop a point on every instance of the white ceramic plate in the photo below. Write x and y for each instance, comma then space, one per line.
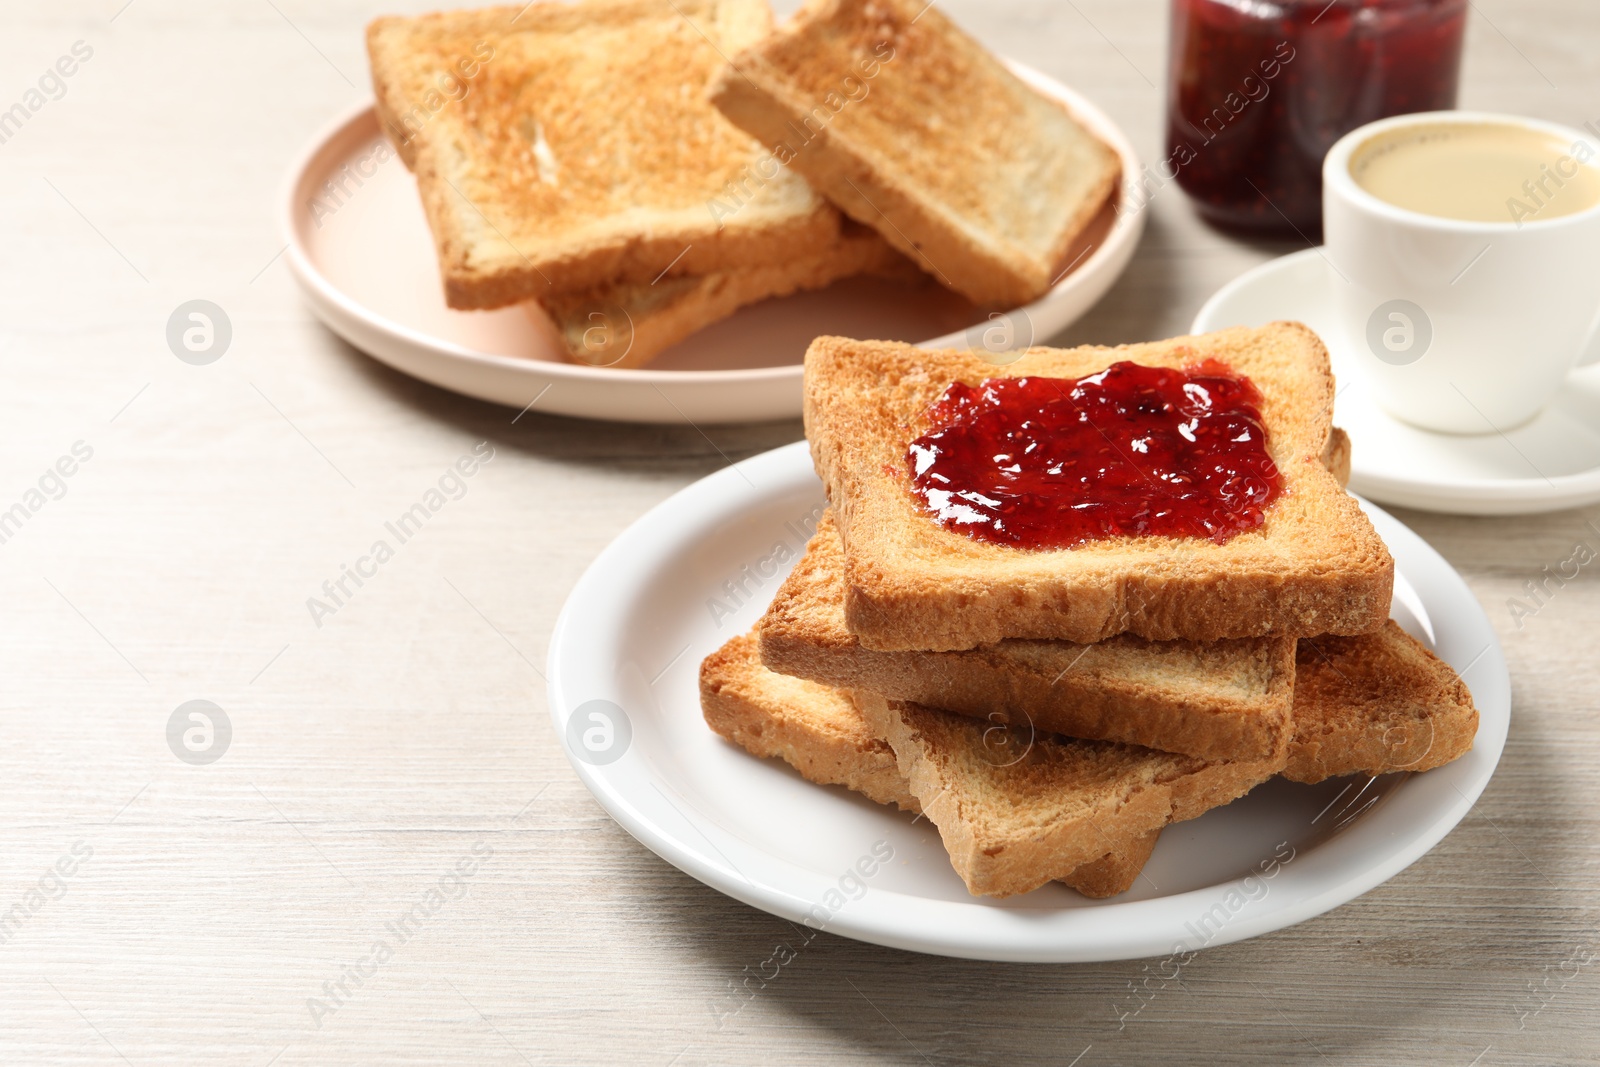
360, 249
637, 624
1552, 462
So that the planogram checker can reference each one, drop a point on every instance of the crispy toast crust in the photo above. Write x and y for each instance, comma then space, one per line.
813, 728
912, 127
1336, 455
1224, 700
819, 732
542, 169
1315, 566
1376, 704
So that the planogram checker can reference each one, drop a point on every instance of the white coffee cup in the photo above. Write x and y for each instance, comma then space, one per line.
1464, 327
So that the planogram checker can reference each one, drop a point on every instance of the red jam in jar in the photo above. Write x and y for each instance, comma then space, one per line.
1128, 452
1259, 91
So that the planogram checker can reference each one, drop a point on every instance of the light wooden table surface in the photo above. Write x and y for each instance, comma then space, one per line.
207, 904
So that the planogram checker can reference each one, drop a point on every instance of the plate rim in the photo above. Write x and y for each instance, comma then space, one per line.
892, 922
1120, 242
1547, 493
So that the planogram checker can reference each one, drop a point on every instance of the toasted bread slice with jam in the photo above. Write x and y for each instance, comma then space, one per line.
914, 128
820, 733
627, 324
1314, 566
1218, 700
562, 146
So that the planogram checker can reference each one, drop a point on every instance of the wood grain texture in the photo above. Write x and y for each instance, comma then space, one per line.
372, 753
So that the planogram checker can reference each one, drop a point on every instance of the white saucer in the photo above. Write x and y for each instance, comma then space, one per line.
636, 626
369, 271
1548, 464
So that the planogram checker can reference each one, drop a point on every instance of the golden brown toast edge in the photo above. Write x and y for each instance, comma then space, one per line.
1413, 712
741, 703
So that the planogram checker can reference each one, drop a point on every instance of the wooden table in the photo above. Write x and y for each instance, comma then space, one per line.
170, 912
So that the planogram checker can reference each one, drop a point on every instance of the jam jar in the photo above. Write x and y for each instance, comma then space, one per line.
1260, 89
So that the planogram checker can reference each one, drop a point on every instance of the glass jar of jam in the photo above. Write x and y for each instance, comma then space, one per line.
1260, 89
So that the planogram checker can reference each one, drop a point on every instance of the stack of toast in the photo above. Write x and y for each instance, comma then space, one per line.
639, 169
1050, 710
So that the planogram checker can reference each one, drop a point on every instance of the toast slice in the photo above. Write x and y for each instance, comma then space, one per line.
1220, 700
1314, 566
562, 146
819, 732
1018, 808
1376, 704
627, 324
912, 127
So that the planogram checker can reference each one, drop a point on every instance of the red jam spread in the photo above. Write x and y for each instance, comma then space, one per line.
1127, 452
